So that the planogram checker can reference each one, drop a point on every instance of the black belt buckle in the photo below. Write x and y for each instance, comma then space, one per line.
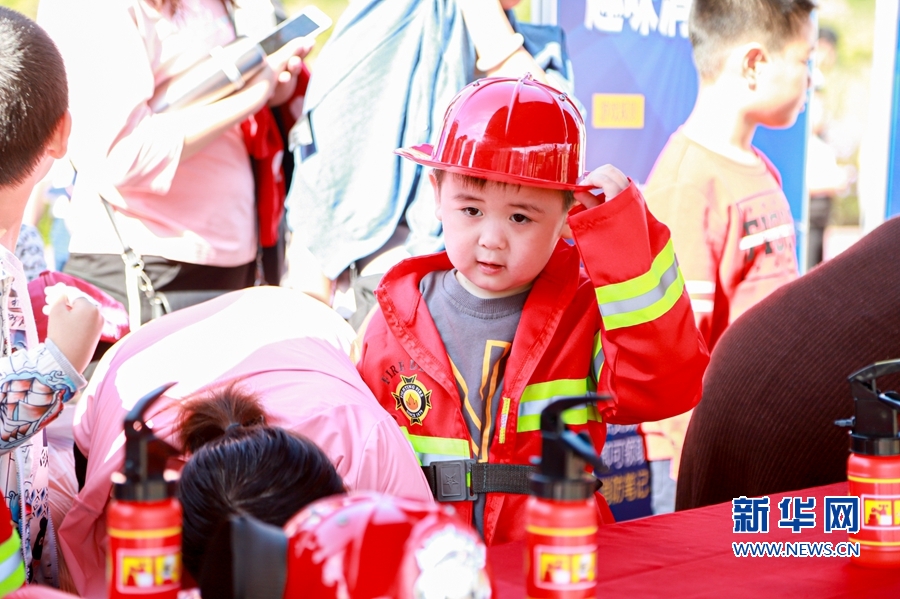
451, 481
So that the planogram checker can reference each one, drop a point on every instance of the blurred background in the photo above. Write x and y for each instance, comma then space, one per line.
842, 87
612, 65
333, 8
845, 92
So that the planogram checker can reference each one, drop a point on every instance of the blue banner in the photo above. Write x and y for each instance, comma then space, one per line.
626, 486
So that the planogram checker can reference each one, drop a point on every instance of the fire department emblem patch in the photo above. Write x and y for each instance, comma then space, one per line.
413, 399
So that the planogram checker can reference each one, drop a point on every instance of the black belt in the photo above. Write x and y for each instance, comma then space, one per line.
448, 480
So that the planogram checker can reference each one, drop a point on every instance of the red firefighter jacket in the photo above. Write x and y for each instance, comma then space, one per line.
641, 346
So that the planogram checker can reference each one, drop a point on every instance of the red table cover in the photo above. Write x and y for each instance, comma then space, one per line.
689, 554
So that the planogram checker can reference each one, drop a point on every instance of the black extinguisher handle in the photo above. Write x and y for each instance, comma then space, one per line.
874, 371
563, 452
136, 414
583, 449
141, 464
862, 382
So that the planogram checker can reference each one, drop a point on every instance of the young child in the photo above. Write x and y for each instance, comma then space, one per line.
469, 345
35, 379
721, 197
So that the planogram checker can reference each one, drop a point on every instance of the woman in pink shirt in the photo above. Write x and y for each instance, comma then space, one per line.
282, 346
238, 465
186, 193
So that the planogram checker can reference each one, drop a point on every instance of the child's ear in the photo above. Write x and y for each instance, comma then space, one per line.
436, 188
59, 141
754, 57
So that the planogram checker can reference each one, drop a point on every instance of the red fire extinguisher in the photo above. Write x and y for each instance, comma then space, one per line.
144, 519
873, 469
561, 515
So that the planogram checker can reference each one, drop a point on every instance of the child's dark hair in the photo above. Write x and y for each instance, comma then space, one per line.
34, 95
477, 183
716, 25
240, 464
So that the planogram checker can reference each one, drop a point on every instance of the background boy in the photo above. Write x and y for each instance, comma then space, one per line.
470, 344
721, 197
35, 379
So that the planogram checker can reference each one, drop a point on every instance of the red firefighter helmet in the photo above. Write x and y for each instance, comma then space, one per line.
514, 131
367, 545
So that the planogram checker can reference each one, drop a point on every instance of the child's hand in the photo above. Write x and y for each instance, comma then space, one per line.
53, 293
74, 325
608, 181
287, 63
608, 178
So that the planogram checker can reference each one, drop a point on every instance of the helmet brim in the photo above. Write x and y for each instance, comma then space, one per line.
422, 154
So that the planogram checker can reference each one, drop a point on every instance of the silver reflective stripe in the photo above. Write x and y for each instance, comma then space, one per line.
534, 408
645, 299
9, 566
598, 364
427, 458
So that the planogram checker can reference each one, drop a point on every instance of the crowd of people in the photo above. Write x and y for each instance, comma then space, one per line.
484, 269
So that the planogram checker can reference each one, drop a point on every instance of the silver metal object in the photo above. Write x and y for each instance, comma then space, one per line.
224, 71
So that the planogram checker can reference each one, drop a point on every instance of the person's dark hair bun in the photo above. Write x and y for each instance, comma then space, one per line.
216, 413
240, 465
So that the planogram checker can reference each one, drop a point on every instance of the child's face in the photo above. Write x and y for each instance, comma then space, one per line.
785, 79
500, 237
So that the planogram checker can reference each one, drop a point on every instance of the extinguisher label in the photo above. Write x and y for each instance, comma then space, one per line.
148, 570
561, 568
881, 512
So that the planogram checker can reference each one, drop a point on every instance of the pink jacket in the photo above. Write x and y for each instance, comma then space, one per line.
281, 344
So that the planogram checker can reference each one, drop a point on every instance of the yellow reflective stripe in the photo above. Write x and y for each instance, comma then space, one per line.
580, 415
504, 418
574, 416
529, 423
642, 284
10, 546
12, 567
598, 357
14, 581
651, 312
435, 449
538, 396
550, 389
598, 345
645, 297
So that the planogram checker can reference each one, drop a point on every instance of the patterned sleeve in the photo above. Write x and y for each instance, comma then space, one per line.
30, 251
34, 385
